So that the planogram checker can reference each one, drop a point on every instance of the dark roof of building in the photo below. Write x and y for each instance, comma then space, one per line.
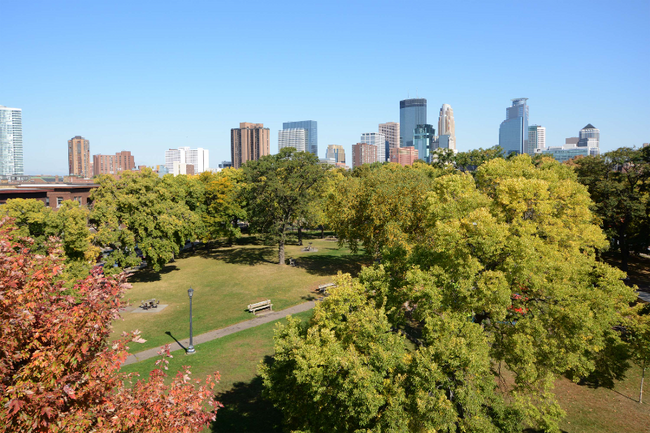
589, 126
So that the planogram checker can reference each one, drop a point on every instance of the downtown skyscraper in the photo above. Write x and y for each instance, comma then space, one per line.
513, 132
11, 141
412, 112
293, 137
249, 142
390, 130
446, 128
311, 126
376, 139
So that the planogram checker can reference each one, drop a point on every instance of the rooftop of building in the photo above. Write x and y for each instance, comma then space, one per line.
589, 126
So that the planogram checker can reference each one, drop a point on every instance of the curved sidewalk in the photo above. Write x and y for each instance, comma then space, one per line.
218, 333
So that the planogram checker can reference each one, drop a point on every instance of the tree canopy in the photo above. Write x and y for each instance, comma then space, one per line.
502, 276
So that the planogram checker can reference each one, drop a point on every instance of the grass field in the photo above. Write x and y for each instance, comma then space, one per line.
236, 357
225, 280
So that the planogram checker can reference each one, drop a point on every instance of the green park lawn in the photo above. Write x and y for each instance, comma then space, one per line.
225, 280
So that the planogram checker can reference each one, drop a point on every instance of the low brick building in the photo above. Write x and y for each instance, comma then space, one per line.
52, 195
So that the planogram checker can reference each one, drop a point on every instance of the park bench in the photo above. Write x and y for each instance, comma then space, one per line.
150, 303
260, 306
323, 287
293, 263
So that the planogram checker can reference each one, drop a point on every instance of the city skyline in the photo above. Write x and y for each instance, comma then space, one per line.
132, 83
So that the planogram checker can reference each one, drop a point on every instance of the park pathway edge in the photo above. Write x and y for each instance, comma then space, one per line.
218, 333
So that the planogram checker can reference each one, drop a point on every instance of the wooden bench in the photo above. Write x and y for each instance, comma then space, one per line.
260, 306
323, 287
151, 303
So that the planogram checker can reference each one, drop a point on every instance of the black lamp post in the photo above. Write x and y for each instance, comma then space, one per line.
190, 350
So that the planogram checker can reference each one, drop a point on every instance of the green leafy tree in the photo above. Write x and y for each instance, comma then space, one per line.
279, 190
471, 160
224, 205
618, 184
141, 210
502, 276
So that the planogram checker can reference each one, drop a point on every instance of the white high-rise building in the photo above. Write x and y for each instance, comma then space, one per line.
11, 141
447, 128
199, 158
537, 138
293, 137
376, 139
391, 132
589, 137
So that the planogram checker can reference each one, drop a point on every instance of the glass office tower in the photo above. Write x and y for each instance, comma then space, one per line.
311, 127
423, 138
513, 133
11, 141
412, 112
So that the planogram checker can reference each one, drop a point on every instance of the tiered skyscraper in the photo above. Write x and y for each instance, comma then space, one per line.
293, 137
513, 133
412, 112
336, 152
11, 141
589, 137
446, 128
376, 139
79, 157
249, 142
311, 126
391, 132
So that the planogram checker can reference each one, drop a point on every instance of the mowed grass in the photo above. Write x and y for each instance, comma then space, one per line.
235, 357
225, 280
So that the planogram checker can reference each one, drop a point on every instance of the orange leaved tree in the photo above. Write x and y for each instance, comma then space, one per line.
58, 371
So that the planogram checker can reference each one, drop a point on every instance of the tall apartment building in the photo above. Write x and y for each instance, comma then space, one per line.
311, 126
249, 142
391, 132
11, 141
513, 132
113, 164
293, 137
404, 155
412, 112
447, 128
199, 158
537, 137
363, 153
336, 152
79, 157
376, 139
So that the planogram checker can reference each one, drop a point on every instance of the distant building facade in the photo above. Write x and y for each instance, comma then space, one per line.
249, 142
562, 154
390, 130
311, 127
412, 112
537, 137
79, 157
336, 152
50, 194
293, 137
513, 132
447, 128
11, 142
113, 164
199, 158
424, 140
589, 137
225, 164
363, 153
376, 139
404, 155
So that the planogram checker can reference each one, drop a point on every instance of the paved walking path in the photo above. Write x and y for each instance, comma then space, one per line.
218, 333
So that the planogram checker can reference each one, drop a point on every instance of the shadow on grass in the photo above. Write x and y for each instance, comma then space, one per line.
178, 342
245, 256
149, 275
327, 265
246, 411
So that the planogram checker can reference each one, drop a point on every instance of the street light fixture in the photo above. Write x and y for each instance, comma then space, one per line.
190, 350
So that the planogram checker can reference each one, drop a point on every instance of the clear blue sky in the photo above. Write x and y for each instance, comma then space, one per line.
147, 76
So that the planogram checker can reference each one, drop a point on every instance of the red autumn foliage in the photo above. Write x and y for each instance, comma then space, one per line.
59, 373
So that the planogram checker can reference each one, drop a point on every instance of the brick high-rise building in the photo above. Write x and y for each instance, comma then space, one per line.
113, 164
249, 142
390, 130
363, 153
79, 157
404, 155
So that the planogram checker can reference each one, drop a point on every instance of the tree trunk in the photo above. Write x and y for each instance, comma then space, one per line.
281, 244
641, 389
625, 250
322, 231
300, 235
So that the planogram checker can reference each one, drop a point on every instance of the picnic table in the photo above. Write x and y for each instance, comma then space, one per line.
150, 303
